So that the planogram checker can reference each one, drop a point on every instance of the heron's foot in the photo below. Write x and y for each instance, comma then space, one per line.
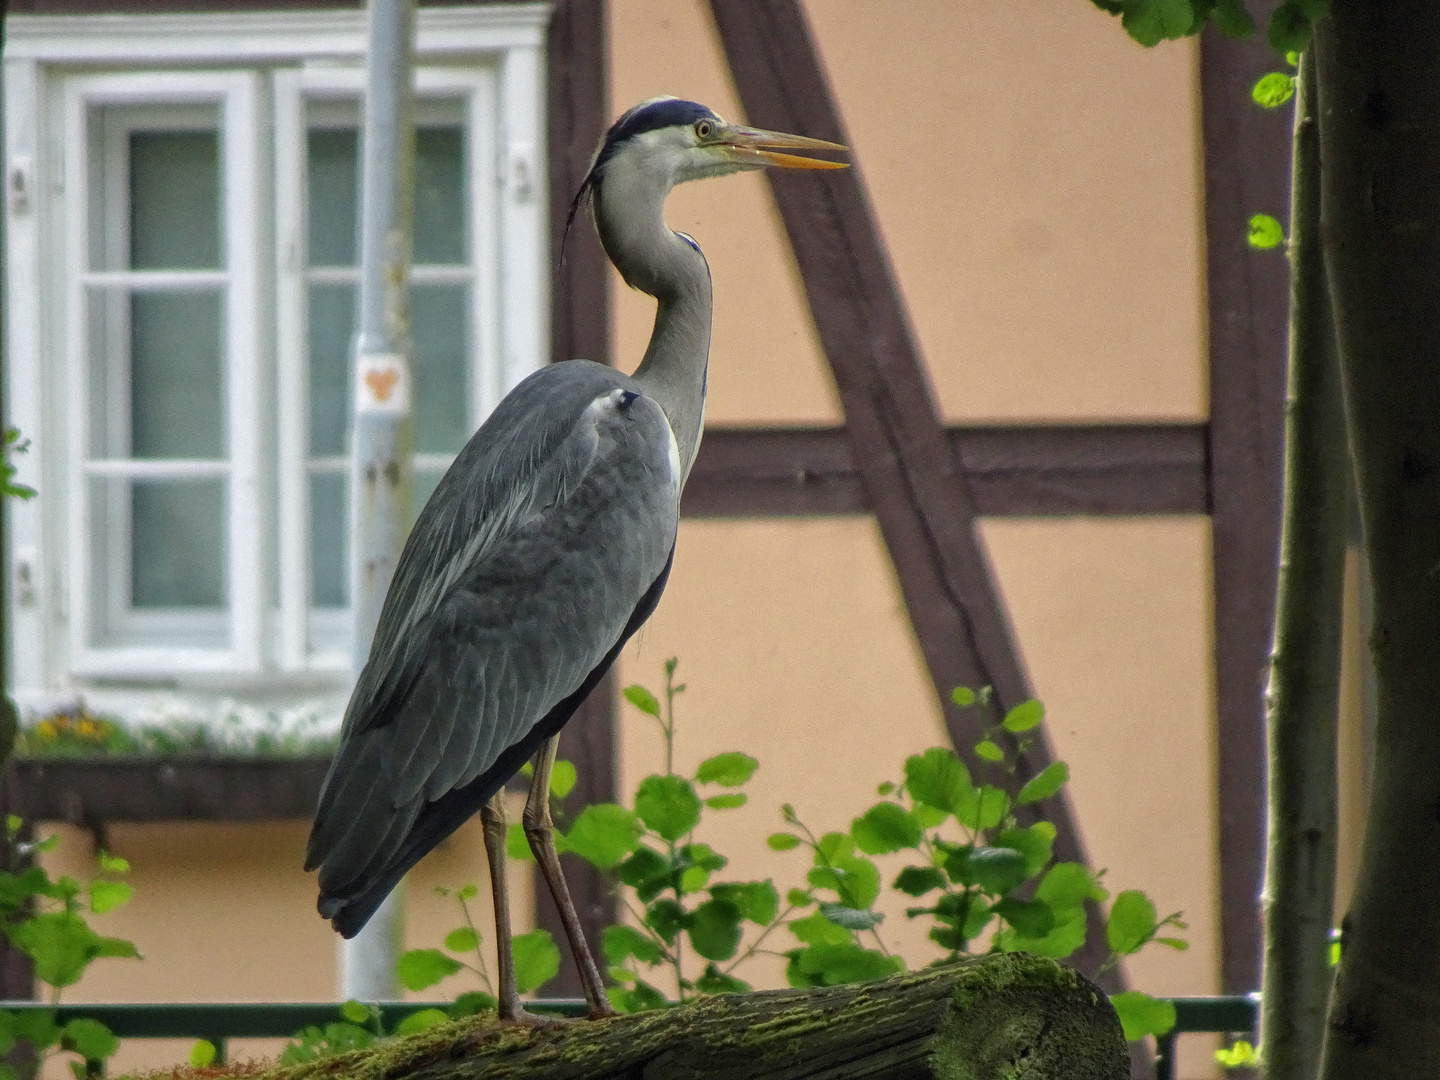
529, 1019
601, 1010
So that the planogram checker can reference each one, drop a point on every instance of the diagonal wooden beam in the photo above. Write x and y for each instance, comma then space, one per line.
577, 115
910, 474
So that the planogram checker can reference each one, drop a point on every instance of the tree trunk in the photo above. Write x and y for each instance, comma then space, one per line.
1008, 1015
1380, 144
1305, 663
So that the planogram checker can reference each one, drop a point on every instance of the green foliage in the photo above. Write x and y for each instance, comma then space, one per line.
202, 1054
1150, 22
1273, 90
1265, 232
45, 919
1238, 1055
14, 444
1142, 1015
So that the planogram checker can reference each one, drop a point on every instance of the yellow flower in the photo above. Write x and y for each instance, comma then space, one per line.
45, 729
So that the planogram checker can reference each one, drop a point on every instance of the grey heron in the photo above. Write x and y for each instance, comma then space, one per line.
542, 550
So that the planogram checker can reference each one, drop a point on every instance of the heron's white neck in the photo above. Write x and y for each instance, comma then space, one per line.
630, 215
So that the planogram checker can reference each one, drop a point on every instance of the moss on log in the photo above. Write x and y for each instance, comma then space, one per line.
1010, 1016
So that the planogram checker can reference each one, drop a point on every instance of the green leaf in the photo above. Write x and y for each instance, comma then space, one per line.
112, 864
1232, 18
116, 947
728, 770
715, 929
757, 901
798, 898
989, 751
668, 805
420, 969
855, 879
471, 1003
1142, 21
202, 1054
1142, 1015
884, 828
1273, 90
108, 895
849, 918
1035, 843
356, 1012
642, 699
963, 696
728, 801
1069, 884
91, 1039
918, 880
603, 834
420, 1021
620, 942
937, 778
647, 872
1238, 1054
1024, 716
1289, 28
468, 891
1032, 918
37, 1027
1131, 923
60, 943
1051, 779
836, 964
517, 845
818, 930
996, 870
462, 939
537, 960
1067, 935
642, 998
1178, 944
782, 841
667, 918
715, 981
693, 879
562, 778
703, 855
983, 807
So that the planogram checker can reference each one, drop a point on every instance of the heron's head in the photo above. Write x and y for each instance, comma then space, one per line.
666, 141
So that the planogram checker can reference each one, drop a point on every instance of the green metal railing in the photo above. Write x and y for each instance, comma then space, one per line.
1239, 1015
222, 1021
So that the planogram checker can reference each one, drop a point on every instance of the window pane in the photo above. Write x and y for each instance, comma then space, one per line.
334, 196
440, 218
440, 324
177, 375
332, 322
178, 544
329, 524
174, 200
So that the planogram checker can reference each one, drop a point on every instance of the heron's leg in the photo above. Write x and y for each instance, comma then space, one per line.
492, 817
540, 831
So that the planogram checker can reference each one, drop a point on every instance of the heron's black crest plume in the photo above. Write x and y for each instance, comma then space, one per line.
651, 115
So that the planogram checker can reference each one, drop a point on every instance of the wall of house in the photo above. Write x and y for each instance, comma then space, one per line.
1037, 179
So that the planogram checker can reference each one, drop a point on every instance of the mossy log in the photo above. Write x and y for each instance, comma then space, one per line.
1009, 1015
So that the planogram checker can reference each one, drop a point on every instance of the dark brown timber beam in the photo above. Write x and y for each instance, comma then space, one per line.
1247, 166
1010, 471
578, 112
912, 480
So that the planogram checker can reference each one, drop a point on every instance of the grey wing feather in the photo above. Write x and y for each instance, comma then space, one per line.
518, 578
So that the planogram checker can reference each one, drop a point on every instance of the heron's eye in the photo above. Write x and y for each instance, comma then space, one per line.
703, 129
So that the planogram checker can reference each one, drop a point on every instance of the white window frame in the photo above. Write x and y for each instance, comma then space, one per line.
237, 95
256, 65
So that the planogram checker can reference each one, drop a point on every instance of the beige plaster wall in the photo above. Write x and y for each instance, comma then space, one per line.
1037, 178
223, 912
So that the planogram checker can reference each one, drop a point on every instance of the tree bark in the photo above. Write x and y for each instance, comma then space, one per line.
1380, 143
1304, 688
1008, 1015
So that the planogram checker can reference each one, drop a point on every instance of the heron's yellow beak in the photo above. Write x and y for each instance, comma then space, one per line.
752, 146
